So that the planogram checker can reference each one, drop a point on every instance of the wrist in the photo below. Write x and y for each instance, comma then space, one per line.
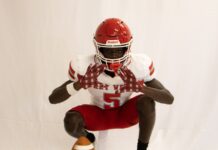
71, 90
77, 85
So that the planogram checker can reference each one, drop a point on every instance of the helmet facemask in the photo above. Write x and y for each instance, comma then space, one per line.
113, 56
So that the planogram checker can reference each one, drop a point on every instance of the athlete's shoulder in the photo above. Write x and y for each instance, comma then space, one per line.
78, 65
142, 66
141, 59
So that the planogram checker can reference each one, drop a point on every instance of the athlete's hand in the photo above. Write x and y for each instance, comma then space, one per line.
91, 75
130, 82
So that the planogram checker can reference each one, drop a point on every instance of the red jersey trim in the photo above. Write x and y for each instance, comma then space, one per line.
151, 68
71, 72
151, 71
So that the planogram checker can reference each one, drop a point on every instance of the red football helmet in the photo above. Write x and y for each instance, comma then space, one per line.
113, 34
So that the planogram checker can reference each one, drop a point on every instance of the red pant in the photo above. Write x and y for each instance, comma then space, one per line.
97, 119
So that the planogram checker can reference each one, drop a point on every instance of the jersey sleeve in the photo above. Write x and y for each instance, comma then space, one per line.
142, 67
72, 74
78, 66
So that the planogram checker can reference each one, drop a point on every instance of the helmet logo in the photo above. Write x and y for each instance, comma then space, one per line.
113, 42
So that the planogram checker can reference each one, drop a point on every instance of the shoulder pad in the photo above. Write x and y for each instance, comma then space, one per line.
78, 66
142, 66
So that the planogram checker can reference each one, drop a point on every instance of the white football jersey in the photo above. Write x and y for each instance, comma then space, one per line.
141, 66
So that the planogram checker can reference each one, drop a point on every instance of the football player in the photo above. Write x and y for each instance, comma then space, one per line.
112, 75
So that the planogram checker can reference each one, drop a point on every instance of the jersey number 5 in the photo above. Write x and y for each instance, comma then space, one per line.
111, 100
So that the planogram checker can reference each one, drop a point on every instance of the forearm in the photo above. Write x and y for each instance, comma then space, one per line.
61, 94
159, 95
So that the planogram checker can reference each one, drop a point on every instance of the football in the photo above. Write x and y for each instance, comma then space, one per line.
83, 144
